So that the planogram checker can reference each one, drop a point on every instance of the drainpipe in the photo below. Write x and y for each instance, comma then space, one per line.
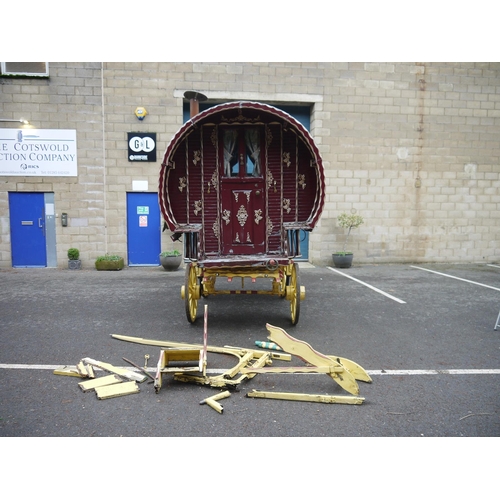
194, 101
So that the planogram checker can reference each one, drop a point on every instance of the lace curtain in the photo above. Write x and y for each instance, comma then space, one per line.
252, 141
230, 137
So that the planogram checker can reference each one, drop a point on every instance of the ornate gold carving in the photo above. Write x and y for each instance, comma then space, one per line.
286, 205
197, 207
302, 181
213, 136
249, 240
182, 183
286, 158
270, 180
226, 216
242, 215
269, 226
214, 181
237, 239
269, 136
196, 156
240, 118
215, 228
258, 216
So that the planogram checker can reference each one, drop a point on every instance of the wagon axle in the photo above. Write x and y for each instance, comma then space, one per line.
201, 281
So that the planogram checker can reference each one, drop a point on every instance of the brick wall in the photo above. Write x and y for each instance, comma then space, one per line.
412, 147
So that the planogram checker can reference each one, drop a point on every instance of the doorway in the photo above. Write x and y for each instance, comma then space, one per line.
143, 229
32, 229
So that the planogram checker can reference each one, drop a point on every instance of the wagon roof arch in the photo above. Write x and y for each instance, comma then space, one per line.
206, 116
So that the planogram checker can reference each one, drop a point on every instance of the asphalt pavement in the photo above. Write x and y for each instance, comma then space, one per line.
426, 339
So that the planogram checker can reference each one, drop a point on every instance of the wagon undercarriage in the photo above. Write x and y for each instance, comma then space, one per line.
283, 281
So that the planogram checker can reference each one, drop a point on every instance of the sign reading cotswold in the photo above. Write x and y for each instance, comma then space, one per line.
37, 152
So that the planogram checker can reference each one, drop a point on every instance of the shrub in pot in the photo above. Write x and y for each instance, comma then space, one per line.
74, 261
109, 263
171, 260
351, 221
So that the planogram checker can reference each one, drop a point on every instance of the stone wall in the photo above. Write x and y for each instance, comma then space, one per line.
412, 147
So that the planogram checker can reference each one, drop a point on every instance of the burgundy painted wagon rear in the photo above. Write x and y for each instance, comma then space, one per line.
238, 183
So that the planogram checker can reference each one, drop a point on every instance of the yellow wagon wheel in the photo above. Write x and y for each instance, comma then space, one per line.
191, 292
294, 293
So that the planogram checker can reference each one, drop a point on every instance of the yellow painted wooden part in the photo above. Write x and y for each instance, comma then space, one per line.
305, 352
70, 371
295, 369
90, 385
115, 390
123, 372
312, 398
212, 401
216, 406
356, 370
168, 356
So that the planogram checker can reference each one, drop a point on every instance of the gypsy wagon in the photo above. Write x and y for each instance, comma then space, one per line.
238, 183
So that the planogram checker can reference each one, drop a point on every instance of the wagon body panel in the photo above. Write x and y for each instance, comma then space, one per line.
245, 214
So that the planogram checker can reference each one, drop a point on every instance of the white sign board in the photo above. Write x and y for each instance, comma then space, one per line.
38, 152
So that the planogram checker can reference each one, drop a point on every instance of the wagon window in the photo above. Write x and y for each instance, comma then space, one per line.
242, 152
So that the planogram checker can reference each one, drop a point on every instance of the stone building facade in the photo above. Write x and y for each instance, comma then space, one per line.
414, 148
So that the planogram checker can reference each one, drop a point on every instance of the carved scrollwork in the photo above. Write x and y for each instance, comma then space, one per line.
286, 205
196, 156
269, 226
242, 215
182, 183
215, 228
258, 216
286, 159
226, 216
197, 207
302, 181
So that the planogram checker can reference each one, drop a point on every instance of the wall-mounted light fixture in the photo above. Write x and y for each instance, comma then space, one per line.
12, 120
140, 112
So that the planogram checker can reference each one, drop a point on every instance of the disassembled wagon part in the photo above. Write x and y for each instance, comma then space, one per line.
343, 371
242, 182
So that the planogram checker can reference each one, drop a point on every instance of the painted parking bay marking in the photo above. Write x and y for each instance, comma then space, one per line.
369, 286
456, 278
472, 371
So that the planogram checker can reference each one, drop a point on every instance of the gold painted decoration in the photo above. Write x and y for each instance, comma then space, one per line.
197, 207
258, 216
302, 181
215, 228
269, 226
182, 183
286, 159
286, 205
196, 156
242, 215
226, 216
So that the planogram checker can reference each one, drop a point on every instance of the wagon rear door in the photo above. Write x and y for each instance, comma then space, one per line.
243, 204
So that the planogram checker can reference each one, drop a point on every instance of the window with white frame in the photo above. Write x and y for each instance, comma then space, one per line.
29, 69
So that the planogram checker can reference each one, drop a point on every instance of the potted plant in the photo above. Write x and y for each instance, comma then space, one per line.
349, 222
171, 260
109, 263
74, 261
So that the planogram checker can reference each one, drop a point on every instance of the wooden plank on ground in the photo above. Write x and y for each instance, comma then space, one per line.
70, 371
115, 390
90, 385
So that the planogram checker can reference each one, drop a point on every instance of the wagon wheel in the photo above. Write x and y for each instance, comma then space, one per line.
191, 292
294, 294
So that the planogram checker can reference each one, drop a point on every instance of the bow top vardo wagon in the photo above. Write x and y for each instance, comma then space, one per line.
238, 182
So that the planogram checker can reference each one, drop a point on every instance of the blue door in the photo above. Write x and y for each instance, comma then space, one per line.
143, 229
28, 229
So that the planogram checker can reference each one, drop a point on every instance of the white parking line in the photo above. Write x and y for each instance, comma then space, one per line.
369, 286
370, 372
456, 278
493, 265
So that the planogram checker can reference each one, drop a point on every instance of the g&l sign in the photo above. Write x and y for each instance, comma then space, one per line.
141, 146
